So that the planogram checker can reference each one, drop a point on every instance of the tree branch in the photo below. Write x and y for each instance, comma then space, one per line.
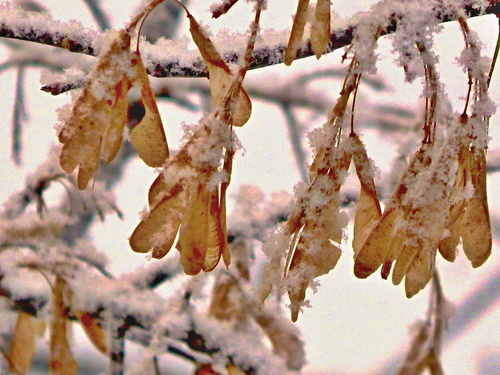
47, 32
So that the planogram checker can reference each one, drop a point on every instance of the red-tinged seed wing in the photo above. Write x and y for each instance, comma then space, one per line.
62, 361
112, 138
93, 330
193, 234
93, 112
216, 237
88, 107
220, 76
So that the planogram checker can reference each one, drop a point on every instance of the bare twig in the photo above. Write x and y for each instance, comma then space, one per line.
19, 115
295, 135
98, 13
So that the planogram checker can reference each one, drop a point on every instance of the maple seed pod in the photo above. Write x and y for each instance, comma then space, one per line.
157, 231
475, 227
299, 23
385, 242
93, 117
376, 247
112, 138
220, 77
368, 210
193, 234
420, 272
448, 245
314, 255
93, 330
320, 30
148, 136
62, 361
22, 345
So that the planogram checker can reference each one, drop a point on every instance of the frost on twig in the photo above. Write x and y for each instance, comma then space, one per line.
212, 319
77, 39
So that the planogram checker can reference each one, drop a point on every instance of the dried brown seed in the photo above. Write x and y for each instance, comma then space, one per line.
420, 272
113, 134
475, 226
376, 248
93, 330
148, 136
216, 242
448, 245
475, 231
193, 234
91, 115
157, 231
22, 345
320, 30
62, 361
220, 78
299, 23
368, 210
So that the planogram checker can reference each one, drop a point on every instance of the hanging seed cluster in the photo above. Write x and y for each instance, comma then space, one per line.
439, 201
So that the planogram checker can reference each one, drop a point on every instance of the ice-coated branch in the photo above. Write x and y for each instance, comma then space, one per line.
139, 318
58, 34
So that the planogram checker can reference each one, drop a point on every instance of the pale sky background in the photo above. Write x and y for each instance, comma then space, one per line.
353, 325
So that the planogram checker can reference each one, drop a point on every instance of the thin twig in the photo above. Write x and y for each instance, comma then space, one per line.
495, 55
19, 115
98, 13
295, 136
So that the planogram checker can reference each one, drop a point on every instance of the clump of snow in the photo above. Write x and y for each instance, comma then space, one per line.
69, 76
166, 51
22, 22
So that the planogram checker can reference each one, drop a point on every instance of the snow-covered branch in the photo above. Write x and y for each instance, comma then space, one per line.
74, 37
